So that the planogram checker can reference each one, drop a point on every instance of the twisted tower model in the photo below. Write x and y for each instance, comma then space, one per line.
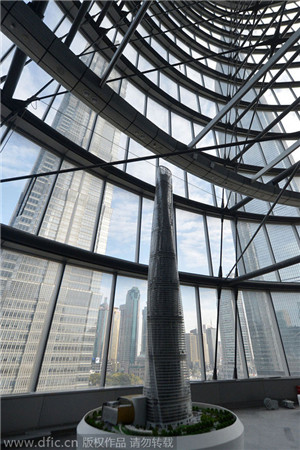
167, 386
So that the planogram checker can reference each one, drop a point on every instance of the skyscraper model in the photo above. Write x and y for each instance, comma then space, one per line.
167, 385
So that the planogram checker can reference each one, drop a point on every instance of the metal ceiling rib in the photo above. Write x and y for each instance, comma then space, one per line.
37, 131
21, 241
32, 36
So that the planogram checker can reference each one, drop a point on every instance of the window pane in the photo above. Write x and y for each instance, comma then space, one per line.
191, 332
134, 96
181, 128
72, 212
227, 338
287, 309
200, 190
191, 244
28, 288
126, 359
75, 345
73, 119
107, 142
188, 98
118, 224
27, 199
169, 86
158, 114
208, 306
257, 255
143, 170
19, 157
265, 354
147, 214
284, 249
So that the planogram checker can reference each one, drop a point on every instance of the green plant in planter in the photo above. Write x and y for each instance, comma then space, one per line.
209, 419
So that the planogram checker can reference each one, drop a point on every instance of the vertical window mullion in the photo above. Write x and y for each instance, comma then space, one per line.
138, 230
200, 335
45, 332
97, 219
108, 331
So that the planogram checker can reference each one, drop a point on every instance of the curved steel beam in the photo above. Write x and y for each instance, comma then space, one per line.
24, 28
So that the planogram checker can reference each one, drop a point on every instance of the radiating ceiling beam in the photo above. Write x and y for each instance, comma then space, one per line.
247, 86
19, 58
77, 21
133, 26
264, 270
24, 28
276, 160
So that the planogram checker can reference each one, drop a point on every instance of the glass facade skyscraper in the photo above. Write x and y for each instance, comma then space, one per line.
209, 90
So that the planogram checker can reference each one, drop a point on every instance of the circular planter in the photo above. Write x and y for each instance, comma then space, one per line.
231, 437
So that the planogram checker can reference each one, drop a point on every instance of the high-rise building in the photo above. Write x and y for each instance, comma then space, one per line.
192, 353
100, 334
166, 384
129, 328
114, 341
211, 345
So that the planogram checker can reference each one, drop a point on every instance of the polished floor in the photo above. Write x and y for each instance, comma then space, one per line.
271, 430
264, 430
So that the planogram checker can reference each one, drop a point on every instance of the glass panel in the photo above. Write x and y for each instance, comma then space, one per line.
188, 98
130, 53
181, 128
126, 358
191, 332
158, 48
287, 309
191, 244
258, 253
72, 211
143, 170
28, 287
118, 224
147, 213
53, 15
74, 349
259, 329
284, 249
193, 74
207, 107
169, 86
73, 119
228, 255
18, 158
144, 65
228, 247
79, 44
208, 305
158, 114
227, 338
107, 141
24, 201
200, 190
134, 96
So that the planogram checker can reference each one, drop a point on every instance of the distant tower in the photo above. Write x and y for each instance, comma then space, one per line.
128, 337
114, 340
100, 332
167, 386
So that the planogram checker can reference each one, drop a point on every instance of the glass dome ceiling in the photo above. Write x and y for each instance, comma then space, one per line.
95, 95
